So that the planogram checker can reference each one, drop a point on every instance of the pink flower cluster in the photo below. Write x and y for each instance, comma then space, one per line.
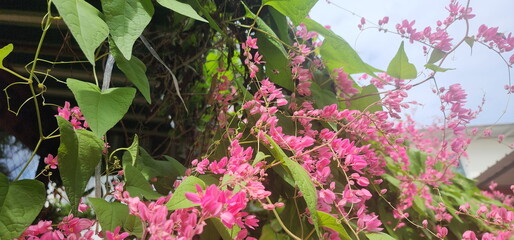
252, 61
496, 40
225, 205
70, 228
238, 172
73, 115
181, 224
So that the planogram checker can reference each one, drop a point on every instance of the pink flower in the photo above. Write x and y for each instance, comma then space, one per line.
369, 223
251, 42
83, 207
441, 231
116, 234
52, 161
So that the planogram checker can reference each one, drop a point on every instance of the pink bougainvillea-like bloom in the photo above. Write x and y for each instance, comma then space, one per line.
52, 161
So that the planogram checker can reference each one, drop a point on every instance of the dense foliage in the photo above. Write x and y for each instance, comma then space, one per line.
305, 140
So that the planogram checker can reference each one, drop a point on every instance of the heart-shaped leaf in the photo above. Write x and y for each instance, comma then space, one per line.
136, 184
79, 153
126, 20
4, 52
20, 203
134, 69
151, 168
102, 110
179, 200
182, 8
400, 67
85, 23
113, 214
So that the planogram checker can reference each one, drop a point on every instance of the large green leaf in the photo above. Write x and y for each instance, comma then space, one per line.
277, 63
20, 203
329, 221
113, 214
4, 52
79, 153
368, 95
436, 55
379, 236
274, 53
85, 23
102, 110
151, 168
296, 10
182, 8
225, 233
322, 96
400, 68
178, 199
301, 178
135, 70
126, 20
136, 184
337, 53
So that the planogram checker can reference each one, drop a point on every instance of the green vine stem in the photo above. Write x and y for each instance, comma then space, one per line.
282, 223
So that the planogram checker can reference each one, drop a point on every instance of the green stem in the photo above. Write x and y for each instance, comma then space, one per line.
36, 56
282, 223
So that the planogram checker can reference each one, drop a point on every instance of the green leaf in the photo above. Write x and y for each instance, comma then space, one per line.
136, 184
135, 70
379, 236
277, 63
179, 200
79, 153
417, 160
225, 233
133, 150
126, 20
436, 55
151, 168
259, 157
296, 10
369, 95
4, 52
400, 67
273, 52
182, 8
270, 34
280, 25
113, 214
102, 110
329, 221
20, 203
301, 178
322, 96
437, 68
337, 53
470, 41
85, 23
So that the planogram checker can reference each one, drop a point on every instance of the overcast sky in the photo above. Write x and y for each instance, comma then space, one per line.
480, 73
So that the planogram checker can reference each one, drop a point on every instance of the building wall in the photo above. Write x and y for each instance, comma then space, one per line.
483, 153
